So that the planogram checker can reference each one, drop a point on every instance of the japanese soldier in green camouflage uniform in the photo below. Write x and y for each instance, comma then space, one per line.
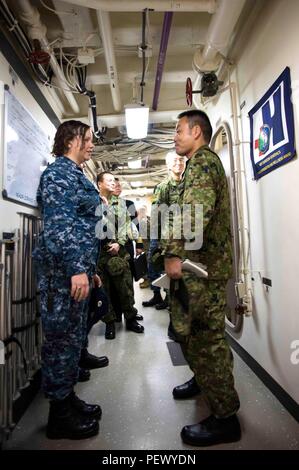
166, 193
198, 308
113, 263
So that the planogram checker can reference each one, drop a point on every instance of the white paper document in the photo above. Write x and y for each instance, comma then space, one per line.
196, 268
162, 281
187, 265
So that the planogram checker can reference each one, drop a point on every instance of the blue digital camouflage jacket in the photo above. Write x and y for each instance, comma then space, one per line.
68, 202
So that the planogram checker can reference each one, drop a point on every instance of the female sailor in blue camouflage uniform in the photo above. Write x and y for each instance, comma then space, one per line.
65, 261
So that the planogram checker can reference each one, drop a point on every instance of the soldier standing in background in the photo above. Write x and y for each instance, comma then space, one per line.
66, 264
113, 263
202, 319
133, 216
129, 245
167, 192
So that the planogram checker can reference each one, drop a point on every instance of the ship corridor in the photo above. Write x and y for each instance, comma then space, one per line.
135, 393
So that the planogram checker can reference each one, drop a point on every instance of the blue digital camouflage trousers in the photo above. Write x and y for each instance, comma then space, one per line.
64, 329
198, 313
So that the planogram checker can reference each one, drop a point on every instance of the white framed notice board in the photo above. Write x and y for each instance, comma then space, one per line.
26, 152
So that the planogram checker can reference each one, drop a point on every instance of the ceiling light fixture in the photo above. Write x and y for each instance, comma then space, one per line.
136, 120
136, 184
137, 114
135, 163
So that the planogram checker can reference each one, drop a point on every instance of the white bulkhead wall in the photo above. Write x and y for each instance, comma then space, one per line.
9, 219
273, 200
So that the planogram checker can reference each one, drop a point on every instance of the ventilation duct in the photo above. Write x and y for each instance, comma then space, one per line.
107, 41
219, 33
37, 30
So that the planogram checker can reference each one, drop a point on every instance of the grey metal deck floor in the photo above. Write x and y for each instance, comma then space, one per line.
135, 392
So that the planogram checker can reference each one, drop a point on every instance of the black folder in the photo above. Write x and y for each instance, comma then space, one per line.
139, 266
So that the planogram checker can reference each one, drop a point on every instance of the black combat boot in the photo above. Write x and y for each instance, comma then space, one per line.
133, 325
187, 390
156, 299
66, 423
85, 409
138, 317
212, 431
89, 361
110, 330
163, 305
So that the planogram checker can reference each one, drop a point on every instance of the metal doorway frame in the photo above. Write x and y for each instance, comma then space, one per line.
224, 127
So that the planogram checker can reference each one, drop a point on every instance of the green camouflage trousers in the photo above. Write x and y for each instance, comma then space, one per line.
198, 313
119, 284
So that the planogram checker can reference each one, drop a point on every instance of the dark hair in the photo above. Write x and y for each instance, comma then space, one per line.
100, 176
199, 118
65, 134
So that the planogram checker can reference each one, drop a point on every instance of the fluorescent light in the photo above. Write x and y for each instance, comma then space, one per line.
135, 164
136, 121
136, 184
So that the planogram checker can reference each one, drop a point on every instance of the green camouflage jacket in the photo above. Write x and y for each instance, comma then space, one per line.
117, 219
166, 194
205, 186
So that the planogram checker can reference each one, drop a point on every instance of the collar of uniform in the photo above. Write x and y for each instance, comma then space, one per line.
174, 182
113, 199
200, 150
65, 161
